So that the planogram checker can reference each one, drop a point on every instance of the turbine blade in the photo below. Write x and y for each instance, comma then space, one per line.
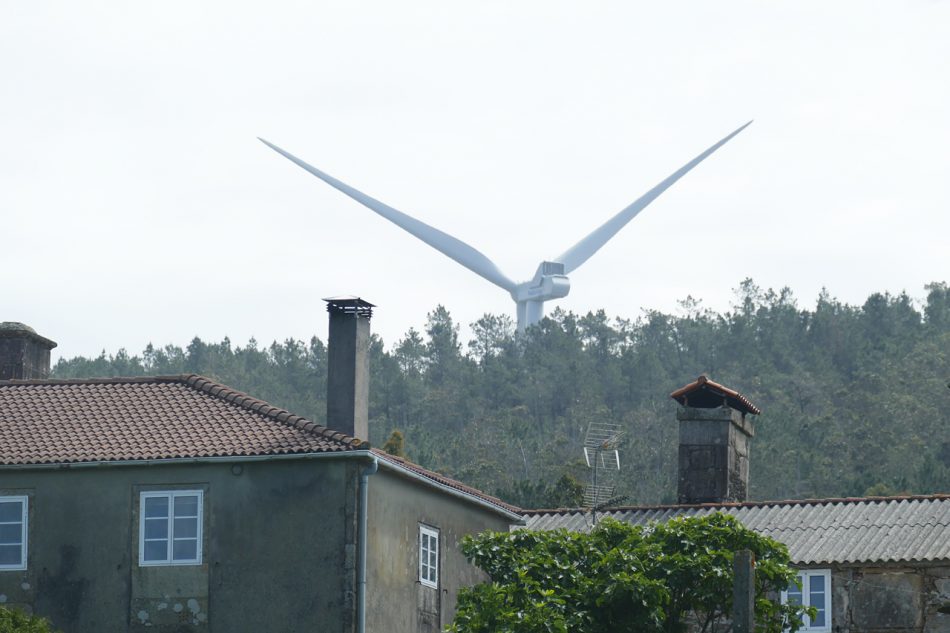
440, 241
582, 251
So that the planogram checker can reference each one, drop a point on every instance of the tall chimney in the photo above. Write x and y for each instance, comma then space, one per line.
24, 354
348, 371
714, 442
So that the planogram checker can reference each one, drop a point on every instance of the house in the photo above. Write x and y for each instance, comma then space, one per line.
878, 565
178, 504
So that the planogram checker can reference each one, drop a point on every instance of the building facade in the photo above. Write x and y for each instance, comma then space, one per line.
177, 504
869, 565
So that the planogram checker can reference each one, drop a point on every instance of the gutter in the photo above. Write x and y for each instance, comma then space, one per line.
226, 459
365, 474
232, 459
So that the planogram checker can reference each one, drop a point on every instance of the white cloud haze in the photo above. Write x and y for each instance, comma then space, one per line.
136, 204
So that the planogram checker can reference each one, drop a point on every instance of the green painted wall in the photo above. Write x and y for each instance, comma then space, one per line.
278, 548
396, 601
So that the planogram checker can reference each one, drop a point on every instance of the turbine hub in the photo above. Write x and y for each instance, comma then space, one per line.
549, 282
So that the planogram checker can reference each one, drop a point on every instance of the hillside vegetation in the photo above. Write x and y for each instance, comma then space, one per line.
854, 398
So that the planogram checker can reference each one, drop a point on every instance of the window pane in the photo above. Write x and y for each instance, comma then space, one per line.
156, 550
156, 507
794, 593
186, 506
11, 511
10, 555
186, 528
816, 598
185, 550
156, 528
794, 596
11, 534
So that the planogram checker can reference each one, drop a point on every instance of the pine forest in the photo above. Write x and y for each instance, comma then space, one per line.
854, 399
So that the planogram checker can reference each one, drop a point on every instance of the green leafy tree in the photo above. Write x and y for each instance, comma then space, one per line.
396, 444
622, 578
14, 621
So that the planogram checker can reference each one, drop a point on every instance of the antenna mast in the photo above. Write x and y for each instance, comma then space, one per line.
603, 459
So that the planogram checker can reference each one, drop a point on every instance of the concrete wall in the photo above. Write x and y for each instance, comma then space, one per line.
891, 599
276, 535
396, 601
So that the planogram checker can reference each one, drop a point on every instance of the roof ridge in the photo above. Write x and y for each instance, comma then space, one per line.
751, 504
261, 407
112, 380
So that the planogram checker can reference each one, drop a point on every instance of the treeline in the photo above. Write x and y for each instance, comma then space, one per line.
854, 398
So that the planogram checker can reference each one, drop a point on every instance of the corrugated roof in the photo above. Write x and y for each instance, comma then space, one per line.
821, 531
166, 417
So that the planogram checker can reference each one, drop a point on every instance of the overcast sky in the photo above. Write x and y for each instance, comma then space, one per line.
136, 204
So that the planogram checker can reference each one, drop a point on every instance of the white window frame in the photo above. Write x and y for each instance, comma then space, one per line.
805, 575
169, 559
424, 578
24, 529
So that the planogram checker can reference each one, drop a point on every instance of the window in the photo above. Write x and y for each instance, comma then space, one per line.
170, 528
428, 556
13, 528
815, 592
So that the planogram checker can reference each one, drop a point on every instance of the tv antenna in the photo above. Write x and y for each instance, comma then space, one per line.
603, 458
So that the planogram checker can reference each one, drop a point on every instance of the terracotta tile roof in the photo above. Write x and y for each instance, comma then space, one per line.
166, 417
703, 392
816, 531
447, 481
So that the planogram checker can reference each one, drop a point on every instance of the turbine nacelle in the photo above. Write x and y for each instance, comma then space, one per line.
550, 281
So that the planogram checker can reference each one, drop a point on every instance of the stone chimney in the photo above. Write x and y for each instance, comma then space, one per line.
348, 370
714, 442
24, 354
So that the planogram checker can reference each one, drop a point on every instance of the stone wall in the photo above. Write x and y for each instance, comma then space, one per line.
891, 599
713, 455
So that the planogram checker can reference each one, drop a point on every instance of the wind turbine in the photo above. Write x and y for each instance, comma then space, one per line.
550, 280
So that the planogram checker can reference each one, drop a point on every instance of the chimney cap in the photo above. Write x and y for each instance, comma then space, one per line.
349, 304
703, 393
15, 329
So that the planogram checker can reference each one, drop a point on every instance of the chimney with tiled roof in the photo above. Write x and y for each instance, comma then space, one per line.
24, 354
348, 366
714, 442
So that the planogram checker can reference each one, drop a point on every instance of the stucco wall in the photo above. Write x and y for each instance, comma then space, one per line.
275, 536
396, 601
